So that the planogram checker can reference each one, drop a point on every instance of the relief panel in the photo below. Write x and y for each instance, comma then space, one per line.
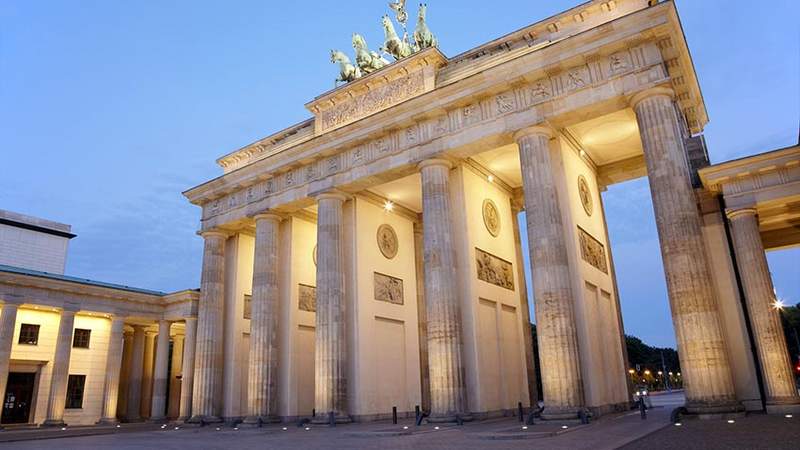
307, 298
388, 289
494, 270
592, 251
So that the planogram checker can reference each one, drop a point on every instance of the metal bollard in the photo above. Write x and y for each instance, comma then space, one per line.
459, 420
394, 415
331, 419
313, 412
416, 415
519, 410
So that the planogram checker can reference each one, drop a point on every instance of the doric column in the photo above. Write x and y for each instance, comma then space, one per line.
262, 393
779, 384
60, 371
113, 367
160, 373
7, 321
176, 369
208, 353
701, 345
135, 376
147, 373
562, 384
125, 373
187, 372
422, 316
525, 316
445, 363
331, 334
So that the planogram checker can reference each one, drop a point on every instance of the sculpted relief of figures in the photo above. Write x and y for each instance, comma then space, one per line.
387, 241
307, 298
388, 289
592, 251
494, 270
491, 217
586, 195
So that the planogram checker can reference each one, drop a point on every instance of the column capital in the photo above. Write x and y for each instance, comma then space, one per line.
659, 91
740, 212
205, 234
12, 302
190, 319
268, 215
332, 195
541, 129
70, 309
435, 162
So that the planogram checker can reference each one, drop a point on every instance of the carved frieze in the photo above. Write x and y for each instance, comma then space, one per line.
387, 241
373, 101
592, 251
480, 110
388, 289
307, 298
491, 217
494, 270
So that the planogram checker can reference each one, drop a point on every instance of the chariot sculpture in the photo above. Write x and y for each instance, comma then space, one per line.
395, 46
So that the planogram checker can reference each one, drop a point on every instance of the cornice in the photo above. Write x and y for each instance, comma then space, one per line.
714, 177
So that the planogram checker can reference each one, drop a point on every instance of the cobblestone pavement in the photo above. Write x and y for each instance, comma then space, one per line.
756, 431
626, 431
507, 433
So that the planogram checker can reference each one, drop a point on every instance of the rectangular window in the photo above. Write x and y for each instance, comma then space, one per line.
248, 302
75, 391
29, 334
80, 339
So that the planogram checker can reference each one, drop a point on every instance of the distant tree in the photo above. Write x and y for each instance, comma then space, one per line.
648, 357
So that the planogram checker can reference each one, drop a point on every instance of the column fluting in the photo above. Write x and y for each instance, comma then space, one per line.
135, 376
330, 394
187, 369
262, 392
562, 384
113, 368
208, 351
445, 359
704, 360
8, 319
779, 384
158, 406
60, 371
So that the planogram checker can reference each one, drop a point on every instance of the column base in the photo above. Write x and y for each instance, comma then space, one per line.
324, 419
722, 410
449, 418
108, 421
53, 423
203, 420
257, 421
157, 420
789, 407
560, 413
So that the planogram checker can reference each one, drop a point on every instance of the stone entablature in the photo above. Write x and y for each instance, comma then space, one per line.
593, 15
48, 292
744, 182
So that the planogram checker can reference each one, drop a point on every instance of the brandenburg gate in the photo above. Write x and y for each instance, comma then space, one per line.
370, 257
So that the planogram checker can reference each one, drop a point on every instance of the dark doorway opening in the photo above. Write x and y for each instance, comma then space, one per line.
18, 398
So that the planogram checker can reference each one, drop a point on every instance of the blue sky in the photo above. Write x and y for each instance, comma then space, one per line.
109, 110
